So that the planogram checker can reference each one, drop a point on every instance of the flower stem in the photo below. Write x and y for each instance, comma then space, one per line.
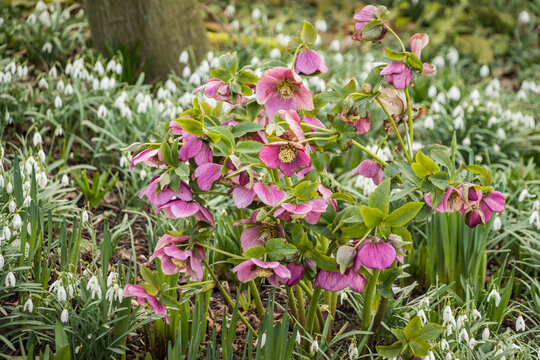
409, 116
397, 37
333, 137
364, 149
395, 130
257, 298
209, 247
292, 304
228, 299
313, 305
377, 320
188, 285
368, 300
317, 128
300, 302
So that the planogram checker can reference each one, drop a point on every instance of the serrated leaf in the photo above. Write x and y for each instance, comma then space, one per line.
372, 216
255, 252
192, 126
380, 198
372, 30
431, 331
245, 128
424, 166
247, 77
305, 190
413, 328
277, 249
308, 34
414, 62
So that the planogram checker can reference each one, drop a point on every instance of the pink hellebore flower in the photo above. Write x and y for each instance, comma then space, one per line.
362, 124
336, 281
309, 62
370, 169
166, 194
258, 234
195, 148
326, 195
482, 213
176, 209
363, 16
151, 157
282, 89
297, 273
207, 174
253, 268
452, 200
216, 89
310, 211
142, 295
287, 156
174, 260
375, 253
398, 74
417, 43
268, 194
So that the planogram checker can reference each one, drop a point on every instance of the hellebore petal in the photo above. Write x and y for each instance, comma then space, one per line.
309, 62
379, 255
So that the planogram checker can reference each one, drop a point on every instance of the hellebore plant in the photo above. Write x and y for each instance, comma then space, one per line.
268, 156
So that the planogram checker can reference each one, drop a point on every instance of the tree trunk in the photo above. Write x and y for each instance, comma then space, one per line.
164, 28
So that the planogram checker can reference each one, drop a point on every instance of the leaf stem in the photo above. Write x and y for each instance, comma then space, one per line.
410, 118
397, 37
366, 150
257, 298
313, 305
368, 300
395, 130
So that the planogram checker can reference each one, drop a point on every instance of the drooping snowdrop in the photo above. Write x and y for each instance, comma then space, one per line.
10, 280
17, 222
314, 347
484, 70
37, 139
47, 48
320, 25
256, 13
454, 93
453, 56
84, 216
42, 83
485, 334
520, 324
64, 316
28, 306
494, 294
524, 17
57, 102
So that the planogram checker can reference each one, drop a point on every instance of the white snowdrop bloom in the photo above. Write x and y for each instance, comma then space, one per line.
448, 317
42, 83
53, 72
428, 122
17, 221
61, 293
520, 324
432, 92
64, 316
501, 133
476, 314
112, 278
425, 302
37, 139
429, 356
102, 112
449, 356
523, 194
111, 65
12, 67
194, 79
528, 121
45, 19
27, 201
125, 112
10, 280
171, 86
524, 17
492, 120
536, 205
65, 180
461, 321
338, 58
459, 123
47, 48
118, 69
12, 206
521, 95
320, 25
484, 71
438, 61
298, 338
353, 352
229, 10
275, 53
256, 13
40, 6
499, 352
9, 188
1, 21
335, 45
31, 19
29, 231
28, 306
57, 102
84, 216
143, 174
485, 334
454, 93
41, 155
69, 90
314, 347
58, 131
98, 68
2, 262
463, 335
453, 56
235, 25
422, 316
263, 339
124, 161
495, 295
534, 218
41, 179
7, 77
467, 142
436, 107
444, 345
441, 98
318, 41
94, 287
473, 342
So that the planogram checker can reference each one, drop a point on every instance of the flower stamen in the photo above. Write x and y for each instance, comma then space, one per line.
287, 153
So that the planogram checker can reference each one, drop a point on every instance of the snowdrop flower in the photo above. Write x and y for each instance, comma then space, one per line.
98, 68
27, 201
143, 174
459, 123
102, 112
454, 93
275, 53
111, 65
37, 140
298, 338
41, 179
335, 45
485, 334
194, 79
69, 90
61, 293
1, 261
320, 25
422, 317
438, 61
28, 306
534, 218
441, 98
256, 13
229, 10
463, 335
58, 131
448, 317
65, 180
499, 352
338, 58
496, 226
353, 352
31, 19
124, 161
318, 41
57, 102
118, 69
10, 280
492, 120
523, 194
17, 221
448, 356
112, 278
84, 216
314, 347
476, 314
461, 321
436, 107
53, 72
47, 48
484, 71
473, 342
235, 25
444, 345
429, 356
41, 155
94, 287
12, 206
524, 17
42, 83
64, 316
9, 188
40, 6
520, 324
467, 142
496, 297
453, 56
501, 133
432, 92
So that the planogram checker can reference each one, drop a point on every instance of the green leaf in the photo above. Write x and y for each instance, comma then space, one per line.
182, 171
424, 166
345, 256
308, 34
419, 347
372, 30
395, 55
402, 215
220, 74
168, 156
431, 331
255, 252
380, 198
247, 77
485, 175
343, 196
413, 328
442, 158
252, 110
277, 249
192, 126
324, 262
246, 127
391, 351
152, 279
305, 190
414, 62
372, 216
249, 147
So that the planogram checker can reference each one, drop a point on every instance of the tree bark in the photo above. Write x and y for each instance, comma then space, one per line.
164, 28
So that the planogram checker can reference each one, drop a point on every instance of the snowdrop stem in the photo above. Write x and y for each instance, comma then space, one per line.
228, 299
394, 126
364, 149
368, 299
256, 298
